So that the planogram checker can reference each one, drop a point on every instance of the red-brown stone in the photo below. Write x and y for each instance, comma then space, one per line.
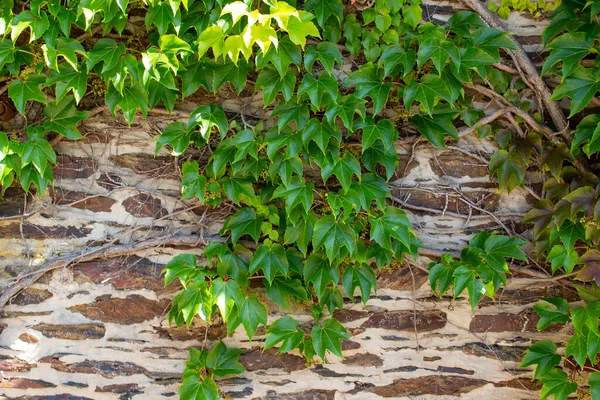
364, 360
457, 165
68, 167
108, 369
130, 272
439, 385
400, 278
147, 164
404, 321
525, 321
313, 394
30, 231
14, 364
131, 310
27, 338
72, 331
183, 333
348, 315
31, 296
95, 203
256, 359
143, 205
25, 383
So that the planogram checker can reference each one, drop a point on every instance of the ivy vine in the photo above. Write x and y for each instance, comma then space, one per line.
305, 240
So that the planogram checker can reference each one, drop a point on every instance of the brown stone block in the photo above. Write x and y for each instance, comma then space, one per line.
457, 165
130, 310
68, 167
313, 394
439, 385
27, 338
131, 272
64, 396
348, 315
25, 383
14, 364
440, 202
147, 164
95, 204
108, 369
525, 321
13, 230
256, 359
404, 321
128, 388
143, 205
72, 332
13, 202
31, 296
183, 333
400, 278
364, 360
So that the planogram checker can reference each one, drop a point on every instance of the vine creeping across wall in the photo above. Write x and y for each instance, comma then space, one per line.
294, 237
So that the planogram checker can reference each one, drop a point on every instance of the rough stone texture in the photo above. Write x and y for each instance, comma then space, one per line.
100, 326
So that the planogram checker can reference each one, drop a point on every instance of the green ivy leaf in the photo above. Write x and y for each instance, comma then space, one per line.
554, 310
462, 22
509, 169
223, 361
343, 168
368, 83
490, 40
176, 134
394, 57
205, 118
252, 314
577, 347
105, 51
129, 101
333, 235
193, 183
7, 52
194, 300
21, 91
412, 14
543, 354
62, 117
300, 28
325, 9
441, 274
282, 57
558, 384
184, 267
438, 50
271, 83
196, 388
322, 90
272, 260
568, 49
226, 295
243, 222
300, 233
435, 128
362, 276
393, 223
285, 333
383, 130
328, 337
345, 108
319, 271
37, 151
291, 112
588, 132
371, 187
68, 79
427, 92
581, 86
281, 290
326, 53
378, 154
321, 133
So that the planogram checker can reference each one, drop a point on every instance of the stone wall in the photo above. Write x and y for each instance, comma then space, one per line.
93, 326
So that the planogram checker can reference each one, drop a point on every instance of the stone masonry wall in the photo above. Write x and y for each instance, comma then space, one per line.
94, 326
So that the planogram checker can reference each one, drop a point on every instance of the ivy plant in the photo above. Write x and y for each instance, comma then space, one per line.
313, 215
